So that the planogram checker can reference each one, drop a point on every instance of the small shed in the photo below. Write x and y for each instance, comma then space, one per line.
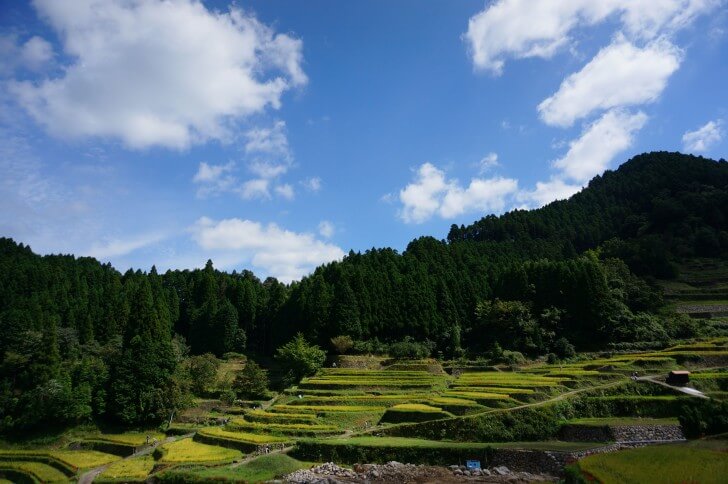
678, 377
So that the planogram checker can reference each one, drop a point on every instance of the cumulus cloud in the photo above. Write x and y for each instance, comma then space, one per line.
214, 179
703, 138
326, 229
432, 193
154, 73
285, 191
34, 54
621, 74
524, 28
282, 253
255, 188
269, 150
599, 143
312, 184
488, 162
547, 192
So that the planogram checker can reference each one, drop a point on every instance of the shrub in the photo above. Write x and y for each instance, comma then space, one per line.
703, 417
513, 358
409, 348
251, 382
227, 397
564, 349
301, 358
342, 344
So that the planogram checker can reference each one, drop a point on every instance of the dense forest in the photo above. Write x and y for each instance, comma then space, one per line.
80, 340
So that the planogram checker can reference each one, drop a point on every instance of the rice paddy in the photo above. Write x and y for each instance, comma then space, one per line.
187, 451
126, 470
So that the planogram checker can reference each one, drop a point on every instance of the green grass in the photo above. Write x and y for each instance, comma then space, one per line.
134, 439
261, 469
36, 470
414, 407
477, 396
622, 421
217, 432
126, 470
336, 408
285, 418
186, 451
84, 459
284, 429
658, 464
443, 444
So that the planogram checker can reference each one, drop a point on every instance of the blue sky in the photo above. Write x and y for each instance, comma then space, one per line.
277, 135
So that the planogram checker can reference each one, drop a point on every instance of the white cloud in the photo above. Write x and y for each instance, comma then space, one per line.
525, 28
482, 195
282, 253
431, 193
599, 143
214, 179
255, 188
120, 247
621, 74
285, 191
703, 138
489, 161
156, 73
271, 140
547, 192
34, 54
326, 229
312, 184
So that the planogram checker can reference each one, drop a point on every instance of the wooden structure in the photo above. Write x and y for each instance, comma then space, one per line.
678, 377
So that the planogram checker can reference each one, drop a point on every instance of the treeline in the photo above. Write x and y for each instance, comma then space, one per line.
80, 340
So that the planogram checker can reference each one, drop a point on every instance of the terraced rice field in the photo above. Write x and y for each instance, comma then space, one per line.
34, 471
186, 451
126, 470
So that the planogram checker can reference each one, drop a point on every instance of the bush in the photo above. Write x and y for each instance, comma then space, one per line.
409, 348
703, 417
513, 358
227, 397
564, 349
251, 382
342, 344
301, 358
203, 371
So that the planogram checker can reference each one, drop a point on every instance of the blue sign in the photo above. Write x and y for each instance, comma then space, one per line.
472, 464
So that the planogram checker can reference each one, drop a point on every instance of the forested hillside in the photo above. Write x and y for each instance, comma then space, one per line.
79, 339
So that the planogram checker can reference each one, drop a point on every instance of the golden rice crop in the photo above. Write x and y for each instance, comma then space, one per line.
189, 451
133, 469
39, 471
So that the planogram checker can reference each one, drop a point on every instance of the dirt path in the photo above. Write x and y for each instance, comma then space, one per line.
686, 390
89, 476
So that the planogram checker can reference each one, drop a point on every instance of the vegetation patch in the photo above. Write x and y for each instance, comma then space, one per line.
283, 429
136, 469
285, 418
261, 469
657, 464
339, 408
187, 451
31, 472
413, 412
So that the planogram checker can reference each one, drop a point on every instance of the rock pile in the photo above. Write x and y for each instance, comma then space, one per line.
330, 473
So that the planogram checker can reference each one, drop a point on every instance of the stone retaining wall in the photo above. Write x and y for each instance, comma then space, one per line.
648, 433
620, 433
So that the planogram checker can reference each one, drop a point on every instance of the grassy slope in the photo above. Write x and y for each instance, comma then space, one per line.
261, 469
658, 464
